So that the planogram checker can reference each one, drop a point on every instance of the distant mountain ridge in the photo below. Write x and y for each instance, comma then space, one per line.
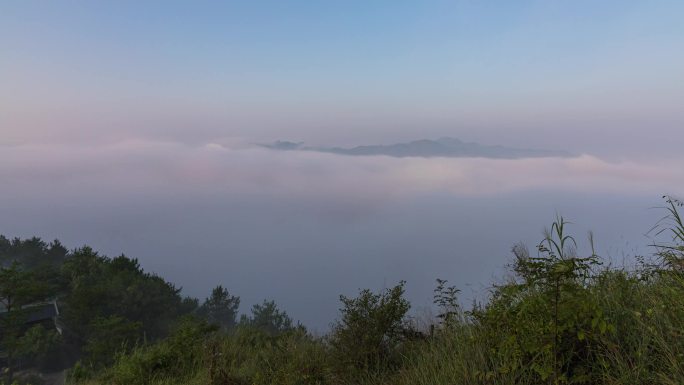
427, 148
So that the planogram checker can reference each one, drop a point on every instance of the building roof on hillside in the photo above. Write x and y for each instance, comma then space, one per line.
38, 312
42, 312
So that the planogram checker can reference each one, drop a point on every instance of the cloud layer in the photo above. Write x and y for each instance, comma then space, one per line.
169, 169
303, 227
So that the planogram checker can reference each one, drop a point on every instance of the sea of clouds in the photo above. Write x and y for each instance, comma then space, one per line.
303, 227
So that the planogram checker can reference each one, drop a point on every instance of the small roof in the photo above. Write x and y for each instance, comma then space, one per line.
38, 312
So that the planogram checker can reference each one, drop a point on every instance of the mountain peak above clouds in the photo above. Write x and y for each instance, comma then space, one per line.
426, 148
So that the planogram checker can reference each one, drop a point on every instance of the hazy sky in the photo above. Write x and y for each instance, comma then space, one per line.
596, 76
129, 125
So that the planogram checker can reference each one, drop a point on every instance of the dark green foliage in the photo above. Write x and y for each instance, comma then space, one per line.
107, 305
195, 354
18, 289
115, 294
446, 300
221, 308
108, 336
176, 357
40, 347
548, 320
188, 305
253, 356
268, 318
31, 253
371, 328
103, 287
42, 259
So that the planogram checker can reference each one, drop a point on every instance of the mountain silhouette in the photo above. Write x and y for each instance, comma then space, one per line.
427, 148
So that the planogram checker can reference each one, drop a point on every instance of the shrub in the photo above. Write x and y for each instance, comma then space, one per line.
548, 323
371, 330
255, 356
176, 357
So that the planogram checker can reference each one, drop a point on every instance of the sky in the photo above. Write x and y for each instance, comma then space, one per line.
130, 126
582, 74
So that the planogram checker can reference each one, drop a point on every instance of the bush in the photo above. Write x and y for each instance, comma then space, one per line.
176, 357
110, 336
371, 330
39, 347
255, 356
196, 354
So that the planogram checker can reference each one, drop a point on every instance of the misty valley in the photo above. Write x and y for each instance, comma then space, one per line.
557, 316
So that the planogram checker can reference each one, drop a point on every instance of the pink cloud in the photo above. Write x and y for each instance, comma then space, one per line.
168, 168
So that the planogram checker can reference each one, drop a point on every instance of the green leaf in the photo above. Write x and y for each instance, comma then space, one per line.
603, 326
580, 335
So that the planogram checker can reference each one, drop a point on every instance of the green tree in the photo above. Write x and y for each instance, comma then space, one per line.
39, 346
32, 252
18, 288
119, 291
371, 329
108, 336
268, 318
221, 308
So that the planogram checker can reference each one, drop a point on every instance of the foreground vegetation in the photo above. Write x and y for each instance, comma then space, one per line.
559, 318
